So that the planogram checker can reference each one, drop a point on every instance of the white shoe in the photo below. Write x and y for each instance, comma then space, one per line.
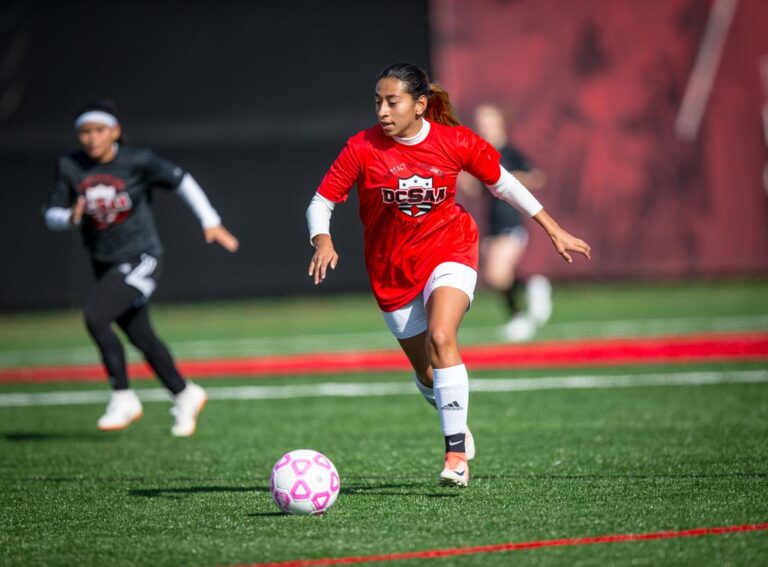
469, 444
124, 408
187, 406
456, 470
539, 294
520, 328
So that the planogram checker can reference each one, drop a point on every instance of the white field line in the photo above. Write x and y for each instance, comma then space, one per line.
371, 389
255, 346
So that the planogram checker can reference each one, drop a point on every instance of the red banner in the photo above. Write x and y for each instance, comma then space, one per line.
646, 117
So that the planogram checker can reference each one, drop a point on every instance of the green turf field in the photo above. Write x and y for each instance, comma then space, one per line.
354, 322
552, 463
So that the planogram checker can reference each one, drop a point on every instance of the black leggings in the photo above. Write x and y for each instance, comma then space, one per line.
121, 295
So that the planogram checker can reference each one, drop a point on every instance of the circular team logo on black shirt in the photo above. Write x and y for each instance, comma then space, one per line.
106, 200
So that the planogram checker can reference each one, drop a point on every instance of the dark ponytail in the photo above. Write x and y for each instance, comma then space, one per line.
439, 107
417, 83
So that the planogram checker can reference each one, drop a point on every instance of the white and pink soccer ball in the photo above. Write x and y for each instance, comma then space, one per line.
304, 482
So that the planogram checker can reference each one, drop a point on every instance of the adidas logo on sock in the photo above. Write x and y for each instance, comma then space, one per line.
454, 405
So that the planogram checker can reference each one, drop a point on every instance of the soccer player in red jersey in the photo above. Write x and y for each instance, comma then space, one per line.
421, 248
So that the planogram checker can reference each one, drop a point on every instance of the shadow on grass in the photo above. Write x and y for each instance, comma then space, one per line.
179, 492
625, 476
397, 489
379, 489
31, 436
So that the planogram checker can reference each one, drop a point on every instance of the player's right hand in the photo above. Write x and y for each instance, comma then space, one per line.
78, 209
222, 236
325, 255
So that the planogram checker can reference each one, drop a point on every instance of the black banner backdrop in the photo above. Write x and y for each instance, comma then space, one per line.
254, 98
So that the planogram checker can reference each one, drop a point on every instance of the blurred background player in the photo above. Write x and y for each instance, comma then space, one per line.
103, 189
529, 301
421, 249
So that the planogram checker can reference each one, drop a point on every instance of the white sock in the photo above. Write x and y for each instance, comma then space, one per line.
426, 391
451, 386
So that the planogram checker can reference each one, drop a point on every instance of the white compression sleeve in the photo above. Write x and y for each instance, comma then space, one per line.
319, 214
511, 191
57, 218
194, 196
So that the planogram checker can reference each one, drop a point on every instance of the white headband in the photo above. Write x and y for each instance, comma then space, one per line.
97, 116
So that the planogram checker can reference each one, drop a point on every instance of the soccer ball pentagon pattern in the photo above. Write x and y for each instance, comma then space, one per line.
304, 482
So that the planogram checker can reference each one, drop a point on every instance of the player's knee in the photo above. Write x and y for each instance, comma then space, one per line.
499, 279
138, 341
493, 280
145, 340
440, 342
96, 323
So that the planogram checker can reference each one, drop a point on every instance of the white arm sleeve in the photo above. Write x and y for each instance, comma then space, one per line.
511, 191
194, 196
319, 214
57, 218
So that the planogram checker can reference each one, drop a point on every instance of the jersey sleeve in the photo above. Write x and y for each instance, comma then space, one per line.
159, 172
63, 191
342, 175
479, 158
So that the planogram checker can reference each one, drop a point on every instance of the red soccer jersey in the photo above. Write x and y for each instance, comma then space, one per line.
408, 204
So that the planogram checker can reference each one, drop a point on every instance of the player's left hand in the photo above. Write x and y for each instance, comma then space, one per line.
565, 242
78, 210
222, 236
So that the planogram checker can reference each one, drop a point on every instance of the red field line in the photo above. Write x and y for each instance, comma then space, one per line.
592, 352
434, 553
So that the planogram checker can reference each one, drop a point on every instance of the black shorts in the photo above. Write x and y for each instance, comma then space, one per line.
141, 273
503, 218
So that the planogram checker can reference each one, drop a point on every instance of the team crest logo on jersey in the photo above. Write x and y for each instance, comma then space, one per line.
415, 196
106, 200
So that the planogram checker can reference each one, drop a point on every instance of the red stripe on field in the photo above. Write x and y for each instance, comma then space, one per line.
593, 352
430, 554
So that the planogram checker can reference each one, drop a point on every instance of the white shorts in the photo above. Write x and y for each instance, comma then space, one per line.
411, 319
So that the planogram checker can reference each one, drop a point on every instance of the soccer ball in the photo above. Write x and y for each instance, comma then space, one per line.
304, 482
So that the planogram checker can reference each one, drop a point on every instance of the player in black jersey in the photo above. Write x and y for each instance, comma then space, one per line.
104, 190
507, 237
